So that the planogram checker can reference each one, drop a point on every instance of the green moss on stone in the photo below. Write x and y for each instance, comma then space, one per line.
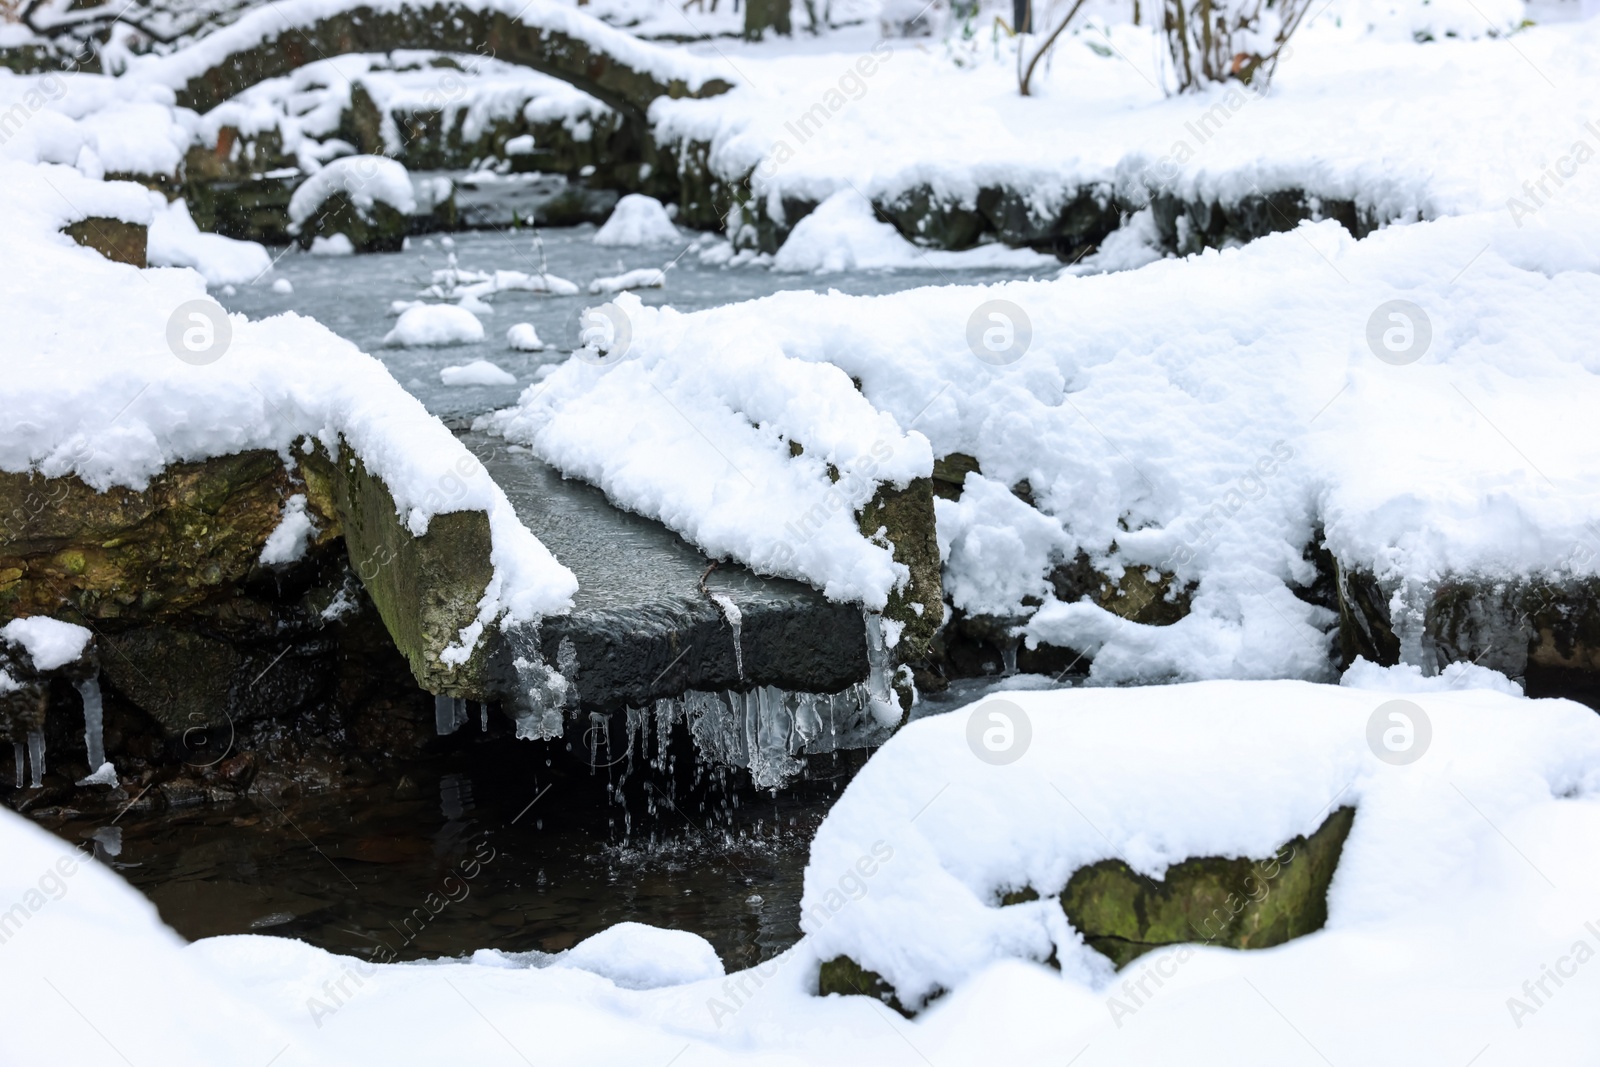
903, 519
1235, 903
844, 976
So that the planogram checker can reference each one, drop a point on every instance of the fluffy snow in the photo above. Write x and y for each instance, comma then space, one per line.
636, 956
1201, 417
1359, 111
283, 286
287, 542
94, 387
1477, 833
1492, 832
262, 25
643, 278
435, 324
845, 233
50, 643
712, 400
478, 372
175, 241
524, 338
337, 244
363, 180
638, 220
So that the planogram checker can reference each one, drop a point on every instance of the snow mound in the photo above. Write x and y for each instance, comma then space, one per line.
435, 324
478, 372
50, 643
524, 338
845, 233
364, 181
175, 241
338, 244
637, 956
909, 866
638, 220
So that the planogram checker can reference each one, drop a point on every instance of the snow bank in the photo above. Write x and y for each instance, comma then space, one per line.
1360, 113
435, 324
1493, 830
175, 241
89, 971
122, 372
1197, 417
364, 181
638, 220
907, 870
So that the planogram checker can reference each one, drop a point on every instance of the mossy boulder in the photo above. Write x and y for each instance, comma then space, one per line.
426, 588
903, 519
1142, 594
846, 977
1234, 903
196, 630
1238, 903
379, 227
118, 241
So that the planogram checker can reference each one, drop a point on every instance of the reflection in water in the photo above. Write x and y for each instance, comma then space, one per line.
504, 844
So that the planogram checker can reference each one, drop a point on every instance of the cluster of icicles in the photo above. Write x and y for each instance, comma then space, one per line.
766, 729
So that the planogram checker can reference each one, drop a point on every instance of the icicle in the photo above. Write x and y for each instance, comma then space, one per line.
448, 714
1008, 656
22, 767
36, 755
483, 716
93, 722
886, 707
730, 611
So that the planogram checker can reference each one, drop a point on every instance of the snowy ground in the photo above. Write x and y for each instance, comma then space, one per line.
1462, 918
1422, 396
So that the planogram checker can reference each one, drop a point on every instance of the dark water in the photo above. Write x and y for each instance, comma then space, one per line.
485, 848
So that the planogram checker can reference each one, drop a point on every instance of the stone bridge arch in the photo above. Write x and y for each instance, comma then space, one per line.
614, 67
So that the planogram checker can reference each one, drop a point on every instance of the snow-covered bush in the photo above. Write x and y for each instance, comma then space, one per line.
1222, 40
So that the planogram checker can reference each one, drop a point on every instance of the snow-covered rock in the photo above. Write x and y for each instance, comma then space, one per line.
643, 278
638, 220
637, 956
435, 324
478, 372
524, 338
